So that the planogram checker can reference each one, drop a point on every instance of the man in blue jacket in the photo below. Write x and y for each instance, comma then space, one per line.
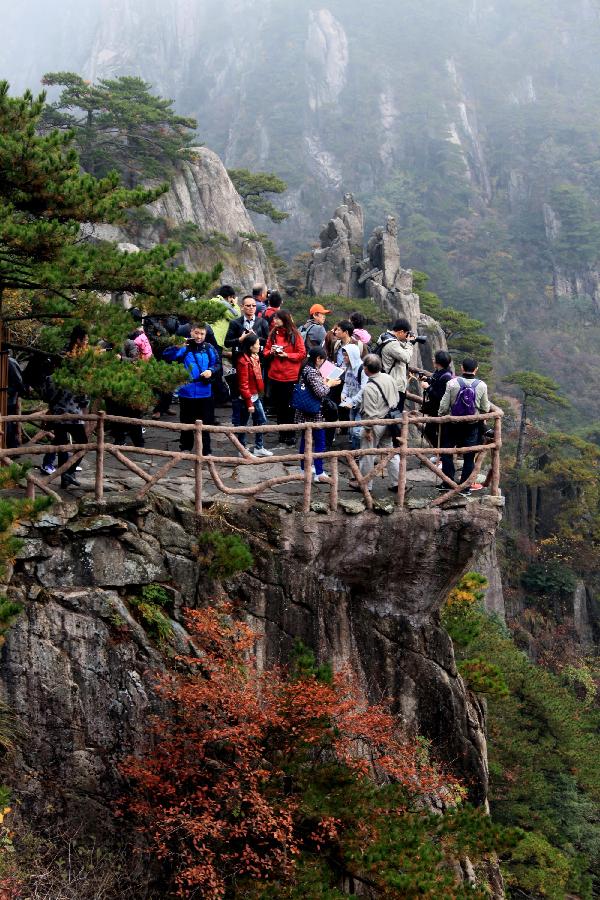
196, 397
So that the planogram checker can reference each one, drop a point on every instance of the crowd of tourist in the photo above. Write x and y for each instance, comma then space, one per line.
256, 359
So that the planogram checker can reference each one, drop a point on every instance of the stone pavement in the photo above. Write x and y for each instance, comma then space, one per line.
179, 482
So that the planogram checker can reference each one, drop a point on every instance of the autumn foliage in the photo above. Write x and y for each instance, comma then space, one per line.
261, 784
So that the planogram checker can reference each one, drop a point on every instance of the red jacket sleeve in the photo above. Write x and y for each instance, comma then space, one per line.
298, 351
242, 368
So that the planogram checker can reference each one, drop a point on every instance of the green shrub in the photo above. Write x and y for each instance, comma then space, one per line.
224, 555
552, 577
149, 604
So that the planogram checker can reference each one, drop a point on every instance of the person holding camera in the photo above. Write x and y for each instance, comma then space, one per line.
395, 347
285, 350
434, 388
196, 400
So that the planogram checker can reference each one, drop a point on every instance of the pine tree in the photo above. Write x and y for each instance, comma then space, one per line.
47, 206
118, 124
534, 387
252, 187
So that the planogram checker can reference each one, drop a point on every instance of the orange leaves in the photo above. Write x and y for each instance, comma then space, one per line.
221, 795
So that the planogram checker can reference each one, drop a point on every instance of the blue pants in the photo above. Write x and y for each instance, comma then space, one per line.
318, 447
258, 418
237, 408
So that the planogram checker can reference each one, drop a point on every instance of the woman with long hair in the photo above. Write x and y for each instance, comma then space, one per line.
251, 387
318, 387
285, 350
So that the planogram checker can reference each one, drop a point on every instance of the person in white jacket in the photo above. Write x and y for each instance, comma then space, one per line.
355, 381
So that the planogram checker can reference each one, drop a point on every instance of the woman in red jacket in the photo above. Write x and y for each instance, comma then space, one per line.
250, 387
285, 349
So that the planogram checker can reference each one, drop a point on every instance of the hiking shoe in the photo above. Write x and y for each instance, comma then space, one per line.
68, 480
262, 451
49, 470
393, 488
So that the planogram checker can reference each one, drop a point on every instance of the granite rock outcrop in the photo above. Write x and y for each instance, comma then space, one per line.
342, 266
78, 666
202, 195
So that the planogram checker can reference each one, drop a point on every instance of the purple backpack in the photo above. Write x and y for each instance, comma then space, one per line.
466, 401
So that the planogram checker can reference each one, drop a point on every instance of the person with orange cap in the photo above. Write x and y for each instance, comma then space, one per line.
313, 331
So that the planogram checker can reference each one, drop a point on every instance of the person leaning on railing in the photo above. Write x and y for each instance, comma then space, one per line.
465, 395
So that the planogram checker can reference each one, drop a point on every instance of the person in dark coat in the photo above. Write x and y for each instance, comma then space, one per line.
434, 387
238, 333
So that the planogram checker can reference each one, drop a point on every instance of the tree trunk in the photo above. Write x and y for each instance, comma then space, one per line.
522, 434
533, 513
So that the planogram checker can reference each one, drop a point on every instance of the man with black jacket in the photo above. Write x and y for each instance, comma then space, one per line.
434, 387
238, 332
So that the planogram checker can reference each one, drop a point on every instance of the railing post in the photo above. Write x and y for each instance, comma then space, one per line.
403, 459
198, 471
30, 492
335, 482
495, 485
100, 456
308, 463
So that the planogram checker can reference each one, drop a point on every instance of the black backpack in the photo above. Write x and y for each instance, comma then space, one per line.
378, 350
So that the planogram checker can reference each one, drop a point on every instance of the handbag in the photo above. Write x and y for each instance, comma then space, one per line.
330, 410
304, 400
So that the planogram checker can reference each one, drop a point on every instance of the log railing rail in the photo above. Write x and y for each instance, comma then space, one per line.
203, 466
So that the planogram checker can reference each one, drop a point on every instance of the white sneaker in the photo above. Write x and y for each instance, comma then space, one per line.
49, 470
320, 479
262, 451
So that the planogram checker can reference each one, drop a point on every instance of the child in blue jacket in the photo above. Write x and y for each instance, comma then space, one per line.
196, 399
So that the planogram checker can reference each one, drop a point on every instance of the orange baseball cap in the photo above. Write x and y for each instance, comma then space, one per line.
318, 308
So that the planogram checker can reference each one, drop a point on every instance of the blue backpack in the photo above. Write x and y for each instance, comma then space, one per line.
466, 400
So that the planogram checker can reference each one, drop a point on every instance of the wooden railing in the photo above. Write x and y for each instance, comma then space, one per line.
210, 466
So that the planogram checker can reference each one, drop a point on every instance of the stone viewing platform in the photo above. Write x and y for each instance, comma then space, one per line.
234, 474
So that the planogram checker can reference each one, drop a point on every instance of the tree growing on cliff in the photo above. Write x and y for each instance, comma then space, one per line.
118, 124
252, 187
543, 752
534, 387
284, 785
47, 211
464, 334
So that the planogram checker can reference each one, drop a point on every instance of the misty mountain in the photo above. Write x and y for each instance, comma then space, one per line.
475, 122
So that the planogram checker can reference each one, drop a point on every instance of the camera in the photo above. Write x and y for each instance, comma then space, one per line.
418, 339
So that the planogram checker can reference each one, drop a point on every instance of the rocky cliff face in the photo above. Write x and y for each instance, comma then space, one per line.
77, 667
202, 194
